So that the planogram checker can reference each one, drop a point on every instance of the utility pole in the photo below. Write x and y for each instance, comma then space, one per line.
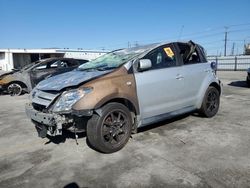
225, 45
129, 44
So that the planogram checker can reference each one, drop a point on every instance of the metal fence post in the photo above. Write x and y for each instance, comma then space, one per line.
235, 64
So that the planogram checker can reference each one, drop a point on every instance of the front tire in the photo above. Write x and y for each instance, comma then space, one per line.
211, 102
110, 131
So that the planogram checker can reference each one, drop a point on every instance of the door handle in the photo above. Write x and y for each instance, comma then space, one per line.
179, 77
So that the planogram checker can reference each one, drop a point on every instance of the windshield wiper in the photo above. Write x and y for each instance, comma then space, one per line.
105, 68
87, 69
99, 68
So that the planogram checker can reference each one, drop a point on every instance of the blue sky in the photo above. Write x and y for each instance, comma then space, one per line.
110, 24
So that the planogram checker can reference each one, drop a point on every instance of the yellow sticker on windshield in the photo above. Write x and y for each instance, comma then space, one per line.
169, 52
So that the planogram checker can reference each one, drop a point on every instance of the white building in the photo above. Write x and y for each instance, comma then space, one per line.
17, 58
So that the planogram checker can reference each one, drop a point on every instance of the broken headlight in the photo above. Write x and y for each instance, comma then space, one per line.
69, 98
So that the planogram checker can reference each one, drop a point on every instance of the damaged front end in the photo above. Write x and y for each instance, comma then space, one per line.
51, 112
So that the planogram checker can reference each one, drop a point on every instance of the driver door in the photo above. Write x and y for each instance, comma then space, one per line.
159, 89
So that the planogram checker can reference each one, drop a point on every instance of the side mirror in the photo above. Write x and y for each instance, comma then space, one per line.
144, 64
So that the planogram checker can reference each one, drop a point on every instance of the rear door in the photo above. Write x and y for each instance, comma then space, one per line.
159, 89
195, 70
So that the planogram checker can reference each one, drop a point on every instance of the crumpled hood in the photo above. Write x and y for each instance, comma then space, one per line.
68, 79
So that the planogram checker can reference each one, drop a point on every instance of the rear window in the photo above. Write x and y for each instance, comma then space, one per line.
203, 53
191, 53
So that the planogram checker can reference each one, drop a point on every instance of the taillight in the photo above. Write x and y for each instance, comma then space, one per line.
214, 66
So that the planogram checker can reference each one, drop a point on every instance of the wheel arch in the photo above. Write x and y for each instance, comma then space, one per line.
204, 89
126, 102
22, 84
216, 85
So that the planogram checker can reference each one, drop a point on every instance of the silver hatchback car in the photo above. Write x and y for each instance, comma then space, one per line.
115, 94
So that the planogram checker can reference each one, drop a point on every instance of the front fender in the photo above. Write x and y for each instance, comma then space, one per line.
116, 85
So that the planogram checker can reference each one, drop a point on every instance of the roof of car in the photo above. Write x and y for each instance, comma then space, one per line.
58, 58
146, 48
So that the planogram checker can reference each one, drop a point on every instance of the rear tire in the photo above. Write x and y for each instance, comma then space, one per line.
15, 89
211, 102
110, 132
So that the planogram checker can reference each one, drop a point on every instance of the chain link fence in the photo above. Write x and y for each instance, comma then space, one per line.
231, 63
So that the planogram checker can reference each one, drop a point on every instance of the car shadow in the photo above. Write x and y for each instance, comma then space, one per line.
3, 93
70, 135
65, 135
239, 84
72, 185
6, 93
166, 122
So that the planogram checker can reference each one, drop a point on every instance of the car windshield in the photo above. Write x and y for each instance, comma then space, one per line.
26, 67
109, 61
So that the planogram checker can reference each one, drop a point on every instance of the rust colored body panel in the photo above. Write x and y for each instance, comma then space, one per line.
7, 79
116, 85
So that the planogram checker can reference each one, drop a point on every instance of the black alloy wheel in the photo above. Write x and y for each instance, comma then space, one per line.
211, 102
110, 131
115, 128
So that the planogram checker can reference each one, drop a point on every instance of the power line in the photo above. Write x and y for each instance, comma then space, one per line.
211, 42
236, 25
190, 34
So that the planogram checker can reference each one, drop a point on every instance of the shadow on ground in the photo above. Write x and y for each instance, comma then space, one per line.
65, 135
70, 135
166, 122
72, 185
239, 84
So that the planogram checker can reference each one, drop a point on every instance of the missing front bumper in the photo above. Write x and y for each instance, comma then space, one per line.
52, 124
46, 122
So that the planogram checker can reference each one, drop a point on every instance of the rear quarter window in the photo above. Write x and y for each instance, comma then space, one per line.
203, 54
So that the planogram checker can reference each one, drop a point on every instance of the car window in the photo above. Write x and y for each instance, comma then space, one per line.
59, 64
202, 53
162, 57
41, 67
82, 61
193, 58
189, 55
73, 63
76, 62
